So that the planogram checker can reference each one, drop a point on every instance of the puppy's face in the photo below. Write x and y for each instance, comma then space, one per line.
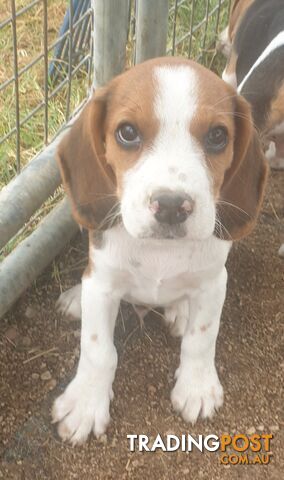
170, 139
171, 135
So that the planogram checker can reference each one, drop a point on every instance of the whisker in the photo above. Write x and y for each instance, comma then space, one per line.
222, 227
240, 115
224, 202
226, 97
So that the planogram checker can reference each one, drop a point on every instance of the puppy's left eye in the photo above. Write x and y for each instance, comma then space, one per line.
216, 139
127, 136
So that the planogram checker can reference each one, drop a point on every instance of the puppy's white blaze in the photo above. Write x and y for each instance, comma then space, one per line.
176, 96
175, 160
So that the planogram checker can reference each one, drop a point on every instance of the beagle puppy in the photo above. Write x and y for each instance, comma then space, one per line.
256, 67
165, 170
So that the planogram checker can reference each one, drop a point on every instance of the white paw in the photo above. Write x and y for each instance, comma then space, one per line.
81, 409
197, 394
176, 317
69, 302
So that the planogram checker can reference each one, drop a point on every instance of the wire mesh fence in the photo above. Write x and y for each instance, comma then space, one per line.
50, 59
34, 99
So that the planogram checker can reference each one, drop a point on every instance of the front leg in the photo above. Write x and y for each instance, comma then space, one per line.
84, 406
197, 389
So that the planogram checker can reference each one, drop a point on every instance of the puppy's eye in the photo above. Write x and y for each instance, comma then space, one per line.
216, 139
127, 136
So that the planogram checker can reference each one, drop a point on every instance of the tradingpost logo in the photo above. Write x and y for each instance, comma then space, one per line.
238, 449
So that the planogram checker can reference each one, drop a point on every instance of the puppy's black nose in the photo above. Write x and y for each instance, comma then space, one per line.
171, 207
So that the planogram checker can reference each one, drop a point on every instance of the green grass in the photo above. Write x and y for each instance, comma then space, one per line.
31, 84
201, 47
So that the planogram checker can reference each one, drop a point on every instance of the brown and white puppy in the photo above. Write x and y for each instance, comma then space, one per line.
256, 68
165, 164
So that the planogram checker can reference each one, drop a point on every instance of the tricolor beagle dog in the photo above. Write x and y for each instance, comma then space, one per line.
255, 45
165, 170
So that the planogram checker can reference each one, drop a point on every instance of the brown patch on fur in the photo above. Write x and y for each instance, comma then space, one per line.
215, 108
203, 328
242, 192
238, 9
91, 162
276, 114
238, 172
94, 337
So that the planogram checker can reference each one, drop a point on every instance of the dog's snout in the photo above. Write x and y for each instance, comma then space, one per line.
171, 207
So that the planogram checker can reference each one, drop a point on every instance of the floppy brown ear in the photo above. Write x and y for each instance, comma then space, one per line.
87, 178
242, 191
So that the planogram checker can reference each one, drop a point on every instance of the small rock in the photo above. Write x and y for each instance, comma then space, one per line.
230, 348
251, 430
281, 251
12, 334
30, 312
35, 376
52, 384
26, 341
260, 428
113, 442
46, 376
103, 439
152, 390
135, 463
70, 363
274, 428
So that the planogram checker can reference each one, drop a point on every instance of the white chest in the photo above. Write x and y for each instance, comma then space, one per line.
157, 272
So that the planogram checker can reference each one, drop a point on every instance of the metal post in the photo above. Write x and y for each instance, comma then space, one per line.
151, 29
26, 193
21, 267
110, 37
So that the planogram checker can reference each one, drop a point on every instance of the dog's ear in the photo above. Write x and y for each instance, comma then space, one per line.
88, 179
242, 190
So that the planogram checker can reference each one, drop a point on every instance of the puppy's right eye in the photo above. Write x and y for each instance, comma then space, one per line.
127, 136
216, 139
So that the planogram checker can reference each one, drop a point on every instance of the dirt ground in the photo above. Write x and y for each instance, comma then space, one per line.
39, 352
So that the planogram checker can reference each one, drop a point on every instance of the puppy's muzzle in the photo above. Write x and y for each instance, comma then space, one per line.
171, 208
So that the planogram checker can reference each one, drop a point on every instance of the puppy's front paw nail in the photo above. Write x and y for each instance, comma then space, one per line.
192, 396
79, 410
